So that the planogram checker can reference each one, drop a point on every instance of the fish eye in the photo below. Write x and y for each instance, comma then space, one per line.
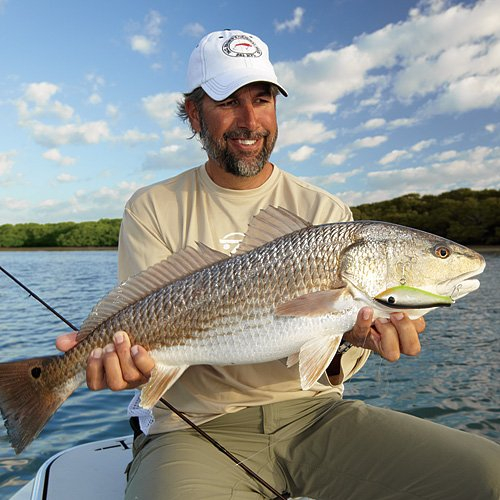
442, 252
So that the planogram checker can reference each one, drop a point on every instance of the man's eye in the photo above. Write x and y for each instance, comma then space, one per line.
228, 104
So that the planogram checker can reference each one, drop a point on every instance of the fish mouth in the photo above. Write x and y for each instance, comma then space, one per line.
460, 286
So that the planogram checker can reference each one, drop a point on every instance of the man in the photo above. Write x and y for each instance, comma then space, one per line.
307, 442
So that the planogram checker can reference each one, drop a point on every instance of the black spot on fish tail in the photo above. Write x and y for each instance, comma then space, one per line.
31, 390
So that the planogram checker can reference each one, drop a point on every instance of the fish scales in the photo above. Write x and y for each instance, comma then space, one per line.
291, 297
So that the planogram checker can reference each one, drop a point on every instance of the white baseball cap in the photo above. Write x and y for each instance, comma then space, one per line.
225, 61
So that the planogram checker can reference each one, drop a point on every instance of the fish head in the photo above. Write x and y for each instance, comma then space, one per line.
408, 267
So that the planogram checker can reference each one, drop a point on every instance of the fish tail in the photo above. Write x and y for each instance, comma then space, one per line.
31, 390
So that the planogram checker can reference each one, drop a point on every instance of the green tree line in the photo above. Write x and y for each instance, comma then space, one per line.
101, 233
465, 216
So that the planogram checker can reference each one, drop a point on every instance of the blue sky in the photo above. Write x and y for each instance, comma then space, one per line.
386, 97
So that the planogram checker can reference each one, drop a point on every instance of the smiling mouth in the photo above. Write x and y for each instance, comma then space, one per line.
246, 142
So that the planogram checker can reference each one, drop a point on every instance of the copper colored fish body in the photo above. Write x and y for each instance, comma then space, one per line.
291, 291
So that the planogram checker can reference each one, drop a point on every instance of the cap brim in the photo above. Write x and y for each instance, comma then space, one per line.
219, 90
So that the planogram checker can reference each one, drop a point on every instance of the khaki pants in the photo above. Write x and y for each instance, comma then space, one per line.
324, 448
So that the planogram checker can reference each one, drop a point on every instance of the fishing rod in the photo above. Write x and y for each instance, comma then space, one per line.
36, 297
281, 496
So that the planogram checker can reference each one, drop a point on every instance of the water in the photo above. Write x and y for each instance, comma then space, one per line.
454, 381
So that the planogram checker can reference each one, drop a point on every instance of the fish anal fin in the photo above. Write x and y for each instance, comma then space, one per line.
162, 378
314, 358
312, 304
270, 223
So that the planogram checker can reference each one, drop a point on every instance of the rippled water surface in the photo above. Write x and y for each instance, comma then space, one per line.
454, 381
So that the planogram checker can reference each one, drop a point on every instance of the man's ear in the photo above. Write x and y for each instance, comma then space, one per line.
194, 116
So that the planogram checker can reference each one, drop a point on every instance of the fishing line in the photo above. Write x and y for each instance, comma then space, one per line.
281, 496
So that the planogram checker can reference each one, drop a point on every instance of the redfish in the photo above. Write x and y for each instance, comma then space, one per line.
291, 291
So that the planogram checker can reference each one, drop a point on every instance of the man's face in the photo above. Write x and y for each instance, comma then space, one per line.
239, 133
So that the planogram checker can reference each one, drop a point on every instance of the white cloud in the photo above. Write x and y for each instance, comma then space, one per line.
421, 145
402, 122
448, 54
491, 127
40, 93
335, 159
14, 204
142, 44
195, 30
332, 179
301, 154
147, 42
37, 101
112, 111
174, 157
374, 123
477, 168
394, 155
134, 136
55, 156
95, 98
85, 205
162, 107
84, 133
65, 178
303, 131
369, 142
291, 24
6, 161
320, 79
475, 92
445, 155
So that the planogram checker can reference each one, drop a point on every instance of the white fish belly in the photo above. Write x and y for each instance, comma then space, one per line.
254, 341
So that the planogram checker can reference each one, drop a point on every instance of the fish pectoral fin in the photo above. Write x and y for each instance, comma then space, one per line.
314, 358
162, 378
293, 359
311, 304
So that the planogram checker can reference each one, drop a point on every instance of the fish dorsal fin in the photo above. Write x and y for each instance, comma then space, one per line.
146, 282
269, 224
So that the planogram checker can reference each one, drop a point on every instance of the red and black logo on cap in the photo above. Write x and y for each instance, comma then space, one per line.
241, 46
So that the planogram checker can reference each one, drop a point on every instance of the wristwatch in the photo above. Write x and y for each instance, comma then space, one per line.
344, 347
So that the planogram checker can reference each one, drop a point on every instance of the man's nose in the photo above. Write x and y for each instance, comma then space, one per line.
246, 117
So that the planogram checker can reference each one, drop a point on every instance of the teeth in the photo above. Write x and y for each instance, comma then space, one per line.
247, 142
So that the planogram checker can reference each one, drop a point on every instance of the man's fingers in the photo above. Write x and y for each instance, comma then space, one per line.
143, 361
388, 346
389, 337
96, 380
117, 366
407, 332
129, 371
359, 334
66, 342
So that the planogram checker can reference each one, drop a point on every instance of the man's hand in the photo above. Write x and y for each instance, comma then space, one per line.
388, 337
117, 366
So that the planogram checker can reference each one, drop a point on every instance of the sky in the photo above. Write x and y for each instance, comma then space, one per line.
386, 97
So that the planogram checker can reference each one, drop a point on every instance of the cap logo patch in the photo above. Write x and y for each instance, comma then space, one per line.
241, 46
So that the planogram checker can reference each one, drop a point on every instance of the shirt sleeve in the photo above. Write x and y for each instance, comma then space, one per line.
139, 246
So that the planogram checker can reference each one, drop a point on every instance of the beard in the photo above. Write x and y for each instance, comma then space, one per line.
240, 165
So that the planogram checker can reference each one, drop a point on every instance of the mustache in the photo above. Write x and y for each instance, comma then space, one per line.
242, 133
